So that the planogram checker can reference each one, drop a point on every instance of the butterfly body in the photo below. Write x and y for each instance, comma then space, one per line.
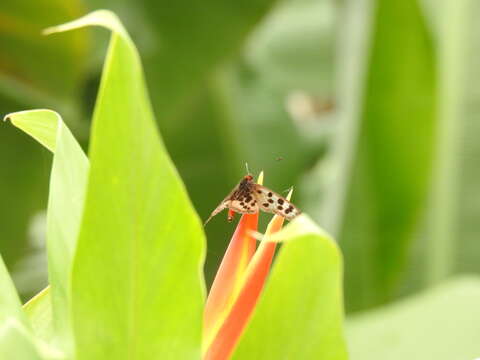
248, 198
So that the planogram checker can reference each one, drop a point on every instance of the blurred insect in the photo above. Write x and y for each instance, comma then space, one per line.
279, 158
249, 197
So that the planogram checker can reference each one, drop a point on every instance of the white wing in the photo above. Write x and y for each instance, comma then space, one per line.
269, 201
244, 207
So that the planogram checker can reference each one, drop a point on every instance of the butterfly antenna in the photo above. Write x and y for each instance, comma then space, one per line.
246, 167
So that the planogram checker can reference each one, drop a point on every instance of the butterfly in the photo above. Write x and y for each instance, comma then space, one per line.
248, 198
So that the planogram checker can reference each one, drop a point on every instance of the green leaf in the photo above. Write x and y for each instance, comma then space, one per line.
137, 286
300, 313
65, 205
10, 306
14, 327
443, 228
467, 228
39, 311
40, 124
383, 154
442, 324
15, 342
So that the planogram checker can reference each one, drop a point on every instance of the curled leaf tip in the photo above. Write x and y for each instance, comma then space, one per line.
104, 18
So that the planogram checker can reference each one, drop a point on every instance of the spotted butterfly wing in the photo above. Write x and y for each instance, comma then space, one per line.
240, 200
269, 201
248, 198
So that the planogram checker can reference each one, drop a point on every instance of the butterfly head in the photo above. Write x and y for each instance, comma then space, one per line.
248, 177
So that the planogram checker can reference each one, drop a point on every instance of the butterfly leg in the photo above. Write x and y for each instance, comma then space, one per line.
231, 215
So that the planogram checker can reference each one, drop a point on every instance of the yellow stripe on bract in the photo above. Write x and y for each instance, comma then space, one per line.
239, 281
260, 178
289, 196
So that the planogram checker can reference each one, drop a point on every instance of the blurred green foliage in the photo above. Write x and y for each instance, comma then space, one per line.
446, 324
368, 107
387, 170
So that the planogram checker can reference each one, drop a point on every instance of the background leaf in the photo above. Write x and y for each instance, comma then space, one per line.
300, 313
137, 286
385, 162
442, 323
451, 244
467, 247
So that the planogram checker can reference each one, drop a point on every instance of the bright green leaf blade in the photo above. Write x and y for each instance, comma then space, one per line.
441, 324
16, 343
385, 150
300, 313
65, 205
65, 208
137, 283
10, 306
39, 312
